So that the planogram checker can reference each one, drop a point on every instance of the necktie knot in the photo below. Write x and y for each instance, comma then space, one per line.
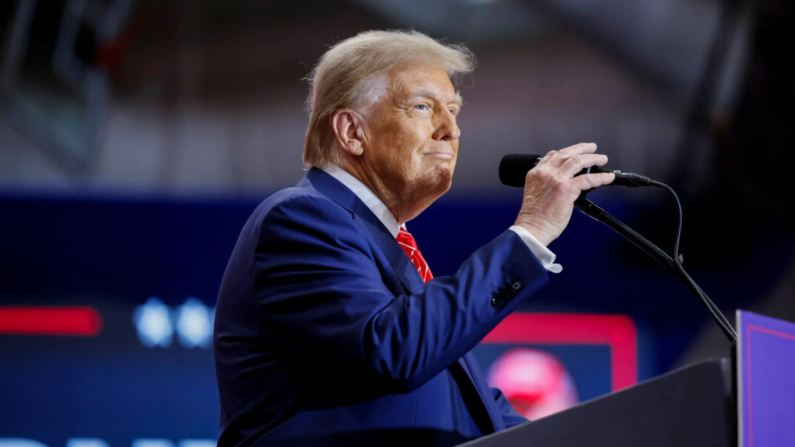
409, 245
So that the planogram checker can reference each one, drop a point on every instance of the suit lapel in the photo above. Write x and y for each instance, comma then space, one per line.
401, 265
406, 272
472, 370
403, 272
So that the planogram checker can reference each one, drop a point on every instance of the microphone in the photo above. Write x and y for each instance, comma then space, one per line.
514, 167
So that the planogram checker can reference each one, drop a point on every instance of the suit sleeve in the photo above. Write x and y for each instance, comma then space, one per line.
509, 415
320, 294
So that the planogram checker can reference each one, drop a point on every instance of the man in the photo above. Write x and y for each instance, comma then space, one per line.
330, 329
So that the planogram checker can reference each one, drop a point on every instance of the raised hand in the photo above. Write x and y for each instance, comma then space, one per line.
551, 189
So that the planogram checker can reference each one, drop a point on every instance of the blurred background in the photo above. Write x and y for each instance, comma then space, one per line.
137, 136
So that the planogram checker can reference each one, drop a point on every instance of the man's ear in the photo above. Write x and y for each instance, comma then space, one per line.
348, 128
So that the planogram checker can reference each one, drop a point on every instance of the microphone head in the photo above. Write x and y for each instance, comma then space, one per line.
514, 167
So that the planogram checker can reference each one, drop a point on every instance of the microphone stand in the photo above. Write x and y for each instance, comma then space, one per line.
674, 266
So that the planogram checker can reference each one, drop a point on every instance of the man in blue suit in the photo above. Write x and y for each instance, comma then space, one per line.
328, 331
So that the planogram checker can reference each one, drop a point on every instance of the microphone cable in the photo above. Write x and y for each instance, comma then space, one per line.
672, 264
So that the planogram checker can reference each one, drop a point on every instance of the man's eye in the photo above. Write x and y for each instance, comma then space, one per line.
422, 107
454, 112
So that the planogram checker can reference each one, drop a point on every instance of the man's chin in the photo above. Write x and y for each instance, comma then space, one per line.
445, 172
442, 182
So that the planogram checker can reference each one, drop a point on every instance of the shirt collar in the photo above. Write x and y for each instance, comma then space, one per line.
366, 195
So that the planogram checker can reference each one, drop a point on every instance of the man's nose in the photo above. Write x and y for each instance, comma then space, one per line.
446, 127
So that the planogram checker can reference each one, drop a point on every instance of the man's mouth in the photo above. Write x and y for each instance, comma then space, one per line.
446, 155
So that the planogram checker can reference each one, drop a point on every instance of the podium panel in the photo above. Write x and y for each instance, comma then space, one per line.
691, 406
766, 392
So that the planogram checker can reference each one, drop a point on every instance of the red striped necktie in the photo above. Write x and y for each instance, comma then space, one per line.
409, 245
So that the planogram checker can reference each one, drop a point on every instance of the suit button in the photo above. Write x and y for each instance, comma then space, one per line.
516, 286
496, 301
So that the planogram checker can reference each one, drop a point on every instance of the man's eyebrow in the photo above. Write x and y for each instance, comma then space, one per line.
433, 94
458, 100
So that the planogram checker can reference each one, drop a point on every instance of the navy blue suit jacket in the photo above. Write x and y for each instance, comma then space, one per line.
325, 333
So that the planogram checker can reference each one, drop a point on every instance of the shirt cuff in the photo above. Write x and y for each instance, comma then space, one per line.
544, 255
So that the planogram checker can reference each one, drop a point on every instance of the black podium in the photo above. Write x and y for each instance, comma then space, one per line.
691, 406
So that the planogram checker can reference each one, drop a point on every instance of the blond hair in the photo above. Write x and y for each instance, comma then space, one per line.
351, 74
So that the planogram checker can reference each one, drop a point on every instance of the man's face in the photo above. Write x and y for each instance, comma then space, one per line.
411, 138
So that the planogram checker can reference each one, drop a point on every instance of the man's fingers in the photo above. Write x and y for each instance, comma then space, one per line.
557, 158
590, 181
581, 148
573, 159
577, 163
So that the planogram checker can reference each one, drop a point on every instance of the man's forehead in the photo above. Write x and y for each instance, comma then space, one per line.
424, 81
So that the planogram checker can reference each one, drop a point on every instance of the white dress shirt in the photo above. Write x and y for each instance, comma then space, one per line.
544, 255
